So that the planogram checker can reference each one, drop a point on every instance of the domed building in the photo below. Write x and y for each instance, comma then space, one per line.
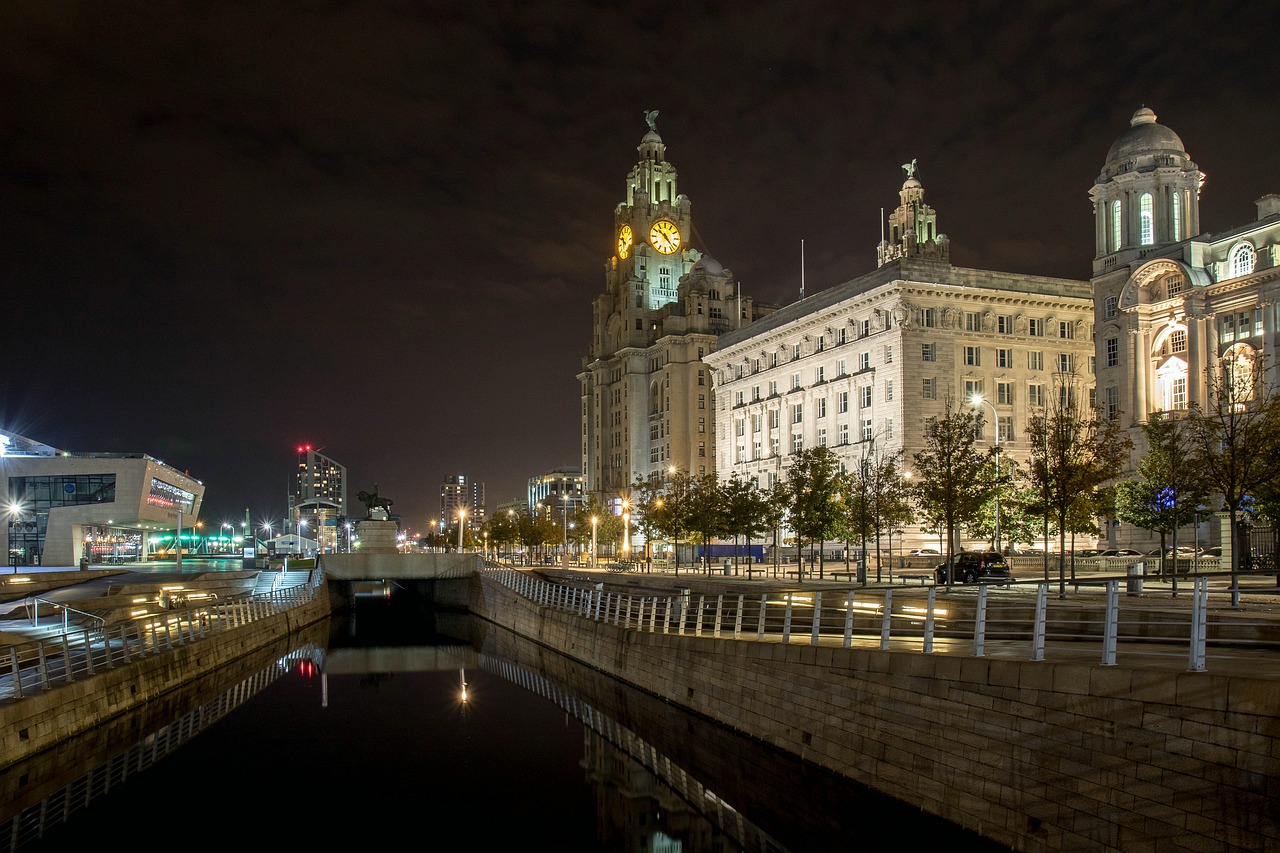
1172, 305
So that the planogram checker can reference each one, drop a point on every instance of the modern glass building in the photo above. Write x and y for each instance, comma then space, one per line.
63, 508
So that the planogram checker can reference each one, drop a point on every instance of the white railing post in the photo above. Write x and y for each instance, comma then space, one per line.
885, 616
1199, 621
928, 621
737, 619
719, 613
1037, 630
817, 618
980, 623
1111, 623
786, 622
764, 604
848, 619
16, 673
702, 606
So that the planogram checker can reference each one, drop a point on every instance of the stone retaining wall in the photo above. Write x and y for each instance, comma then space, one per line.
1035, 755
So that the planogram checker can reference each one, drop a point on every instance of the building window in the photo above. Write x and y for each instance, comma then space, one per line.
1004, 358
795, 352
864, 397
864, 328
774, 418
840, 368
1113, 351
864, 361
775, 447
1178, 341
702, 425
1176, 216
1115, 225
1066, 362
1035, 394
866, 429
738, 398
1004, 428
1004, 393
888, 429
755, 449
1004, 324
755, 394
973, 356
888, 390
1112, 411
1035, 360
820, 374
822, 407
1066, 330
973, 388
972, 321
1171, 385
739, 426
928, 352
1035, 327
773, 387
1146, 220
1173, 285
822, 438
797, 413
841, 335
795, 382
1242, 260
757, 421
844, 433
888, 354
797, 443
1109, 307
929, 389
702, 401
842, 402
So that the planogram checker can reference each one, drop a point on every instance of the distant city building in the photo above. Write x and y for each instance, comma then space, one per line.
318, 504
1172, 305
558, 491
459, 492
646, 392
859, 367
62, 507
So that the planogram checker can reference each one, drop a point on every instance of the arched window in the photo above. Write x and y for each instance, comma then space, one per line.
1146, 222
1173, 286
1115, 225
1171, 385
1109, 307
1178, 341
1177, 217
1242, 260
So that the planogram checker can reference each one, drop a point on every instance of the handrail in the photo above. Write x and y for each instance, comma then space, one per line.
37, 665
35, 612
1035, 628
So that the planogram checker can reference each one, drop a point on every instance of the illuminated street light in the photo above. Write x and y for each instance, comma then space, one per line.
462, 517
978, 400
594, 519
626, 529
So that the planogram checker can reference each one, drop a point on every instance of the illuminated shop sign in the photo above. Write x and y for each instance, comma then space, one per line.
168, 496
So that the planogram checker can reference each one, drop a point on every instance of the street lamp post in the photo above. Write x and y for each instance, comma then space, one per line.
462, 517
564, 509
978, 400
626, 530
594, 519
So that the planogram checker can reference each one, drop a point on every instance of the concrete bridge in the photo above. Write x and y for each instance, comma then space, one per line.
396, 566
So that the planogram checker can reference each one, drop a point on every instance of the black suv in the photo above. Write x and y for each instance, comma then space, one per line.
975, 566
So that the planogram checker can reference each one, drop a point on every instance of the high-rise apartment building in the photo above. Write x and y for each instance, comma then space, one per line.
646, 389
318, 504
460, 493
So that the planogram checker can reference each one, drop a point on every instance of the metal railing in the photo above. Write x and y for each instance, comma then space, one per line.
37, 665
977, 622
66, 613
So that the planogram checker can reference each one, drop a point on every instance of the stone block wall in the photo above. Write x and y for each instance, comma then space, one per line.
1036, 755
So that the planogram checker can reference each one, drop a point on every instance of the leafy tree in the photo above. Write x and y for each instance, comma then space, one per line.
888, 502
1236, 440
744, 509
813, 486
1165, 491
952, 487
707, 518
1020, 520
672, 514
854, 516
777, 499
645, 503
1074, 453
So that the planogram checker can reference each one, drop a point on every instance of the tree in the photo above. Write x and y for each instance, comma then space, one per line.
813, 488
1074, 453
672, 511
1165, 491
1236, 439
888, 502
645, 502
952, 487
707, 518
777, 499
746, 513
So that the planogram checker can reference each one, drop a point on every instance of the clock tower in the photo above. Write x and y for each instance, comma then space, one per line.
647, 398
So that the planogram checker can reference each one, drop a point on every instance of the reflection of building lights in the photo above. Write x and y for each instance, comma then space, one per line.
462, 685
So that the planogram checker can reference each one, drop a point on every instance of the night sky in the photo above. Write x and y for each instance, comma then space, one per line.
230, 228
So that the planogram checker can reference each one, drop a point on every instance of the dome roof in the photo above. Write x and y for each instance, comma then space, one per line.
651, 136
912, 183
707, 265
1145, 136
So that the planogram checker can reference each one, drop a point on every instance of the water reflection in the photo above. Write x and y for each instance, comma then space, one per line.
394, 720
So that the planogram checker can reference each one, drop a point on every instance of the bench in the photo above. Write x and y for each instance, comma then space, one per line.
850, 576
753, 570
797, 573
918, 576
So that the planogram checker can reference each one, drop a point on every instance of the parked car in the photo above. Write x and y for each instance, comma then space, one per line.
1215, 551
976, 566
925, 552
1183, 551
1119, 552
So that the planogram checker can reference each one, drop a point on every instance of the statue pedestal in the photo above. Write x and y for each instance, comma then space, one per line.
377, 537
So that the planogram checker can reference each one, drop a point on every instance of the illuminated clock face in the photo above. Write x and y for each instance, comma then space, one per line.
625, 241
665, 236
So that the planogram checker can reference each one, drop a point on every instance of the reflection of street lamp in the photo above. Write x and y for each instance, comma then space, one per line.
978, 400
462, 517
594, 519
626, 529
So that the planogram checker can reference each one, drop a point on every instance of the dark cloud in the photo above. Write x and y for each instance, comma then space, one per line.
378, 227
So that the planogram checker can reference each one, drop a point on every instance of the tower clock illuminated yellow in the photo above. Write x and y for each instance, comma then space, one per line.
625, 241
665, 236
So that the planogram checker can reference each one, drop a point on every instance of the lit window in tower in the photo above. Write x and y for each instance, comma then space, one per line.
1177, 217
1146, 220
1115, 225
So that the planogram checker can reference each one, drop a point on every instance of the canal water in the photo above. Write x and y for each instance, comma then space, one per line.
363, 735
